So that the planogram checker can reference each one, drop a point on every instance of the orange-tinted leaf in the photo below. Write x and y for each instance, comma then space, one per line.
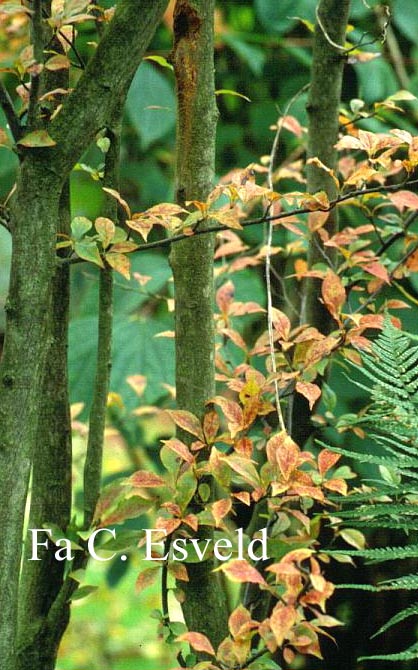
143, 226
179, 571
243, 467
281, 324
120, 263
244, 497
244, 447
145, 479
232, 412
326, 460
198, 641
179, 448
337, 485
239, 618
210, 425
187, 422
404, 200
333, 294
235, 337
377, 270
115, 194
105, 229
281, 622
220, 509
146, 578
311, 392
239, 570
281, 449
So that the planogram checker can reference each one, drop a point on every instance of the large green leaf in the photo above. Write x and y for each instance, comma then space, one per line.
151, 104
280, 17
135, 351
405, 17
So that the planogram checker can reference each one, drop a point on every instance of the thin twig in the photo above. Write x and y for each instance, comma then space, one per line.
167, 241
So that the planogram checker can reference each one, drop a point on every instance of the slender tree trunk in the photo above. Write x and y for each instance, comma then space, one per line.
192, 263
323, 108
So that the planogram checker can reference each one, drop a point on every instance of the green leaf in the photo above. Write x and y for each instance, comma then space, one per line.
83, 592
104, 144
87, 249
279, 17
37, 139
80, 225
405, 17
160, 60
151, 105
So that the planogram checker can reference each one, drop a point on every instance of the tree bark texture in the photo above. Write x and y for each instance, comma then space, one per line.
323, 109
192, 263
31, 333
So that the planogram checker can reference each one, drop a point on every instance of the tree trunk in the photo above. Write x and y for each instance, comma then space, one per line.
31, 331
192, 264
323, 109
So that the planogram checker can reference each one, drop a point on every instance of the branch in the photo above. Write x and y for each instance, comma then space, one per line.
94, 455
105, 80
10, 114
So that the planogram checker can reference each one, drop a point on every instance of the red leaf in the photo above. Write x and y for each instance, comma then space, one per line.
179, 571
145, 479
198, 641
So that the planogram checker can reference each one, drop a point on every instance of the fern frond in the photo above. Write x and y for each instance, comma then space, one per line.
379, 555
406, 583
407, 655
412, 610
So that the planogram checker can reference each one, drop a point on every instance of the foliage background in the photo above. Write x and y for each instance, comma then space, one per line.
263, 52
